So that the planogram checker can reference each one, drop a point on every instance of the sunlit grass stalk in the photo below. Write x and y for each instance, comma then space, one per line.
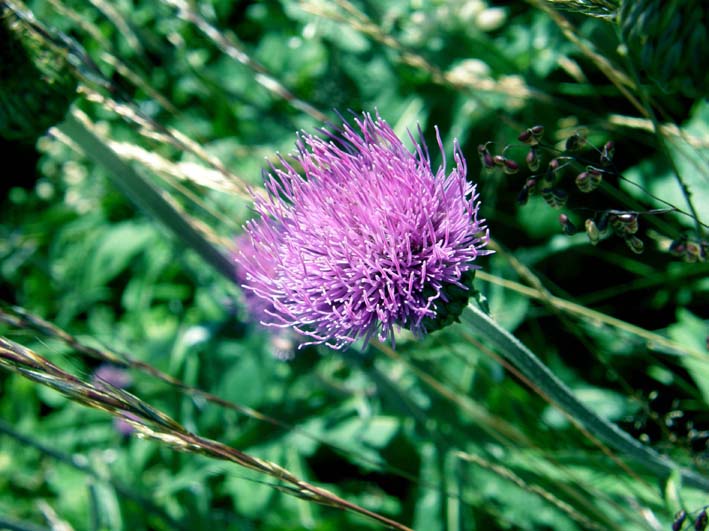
21, 319
152, 423
142, 193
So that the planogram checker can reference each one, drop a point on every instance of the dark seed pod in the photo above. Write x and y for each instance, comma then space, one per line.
538, 131
555, 197
531, 185
694, 252
526, 136
532, 159
523, 195
680, 517
575, 141
635, 244
532, 136
485, 157
603, 221
589, 180
583, 182
550, 177
510, 167
625, 223
607, 153
592, 231
566, 225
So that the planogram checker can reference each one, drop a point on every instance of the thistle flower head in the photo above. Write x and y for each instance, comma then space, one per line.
369, 237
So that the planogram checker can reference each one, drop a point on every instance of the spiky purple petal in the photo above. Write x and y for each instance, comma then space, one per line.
367, 239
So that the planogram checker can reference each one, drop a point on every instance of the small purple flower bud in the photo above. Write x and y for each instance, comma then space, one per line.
369, 238
532, 159
122, 425
702, 520
112, 375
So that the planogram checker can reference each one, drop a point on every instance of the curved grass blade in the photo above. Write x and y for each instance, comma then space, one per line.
513, 351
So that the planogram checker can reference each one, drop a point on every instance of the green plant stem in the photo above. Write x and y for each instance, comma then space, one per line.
523, 359
143, 194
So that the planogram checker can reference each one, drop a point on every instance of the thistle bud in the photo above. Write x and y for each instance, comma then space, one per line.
635, 244
567, 226
592, 231
532, 159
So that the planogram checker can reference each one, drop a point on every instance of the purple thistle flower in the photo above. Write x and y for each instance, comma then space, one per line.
370, 237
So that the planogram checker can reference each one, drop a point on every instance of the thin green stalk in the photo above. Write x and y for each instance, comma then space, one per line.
523, 359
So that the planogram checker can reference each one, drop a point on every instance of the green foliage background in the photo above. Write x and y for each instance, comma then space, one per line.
438, 435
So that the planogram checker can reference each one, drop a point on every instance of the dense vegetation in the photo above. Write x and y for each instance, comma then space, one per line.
176, 410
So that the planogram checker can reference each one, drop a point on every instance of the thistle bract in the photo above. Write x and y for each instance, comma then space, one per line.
368, 237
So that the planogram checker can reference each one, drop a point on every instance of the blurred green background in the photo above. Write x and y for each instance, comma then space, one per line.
198, 98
